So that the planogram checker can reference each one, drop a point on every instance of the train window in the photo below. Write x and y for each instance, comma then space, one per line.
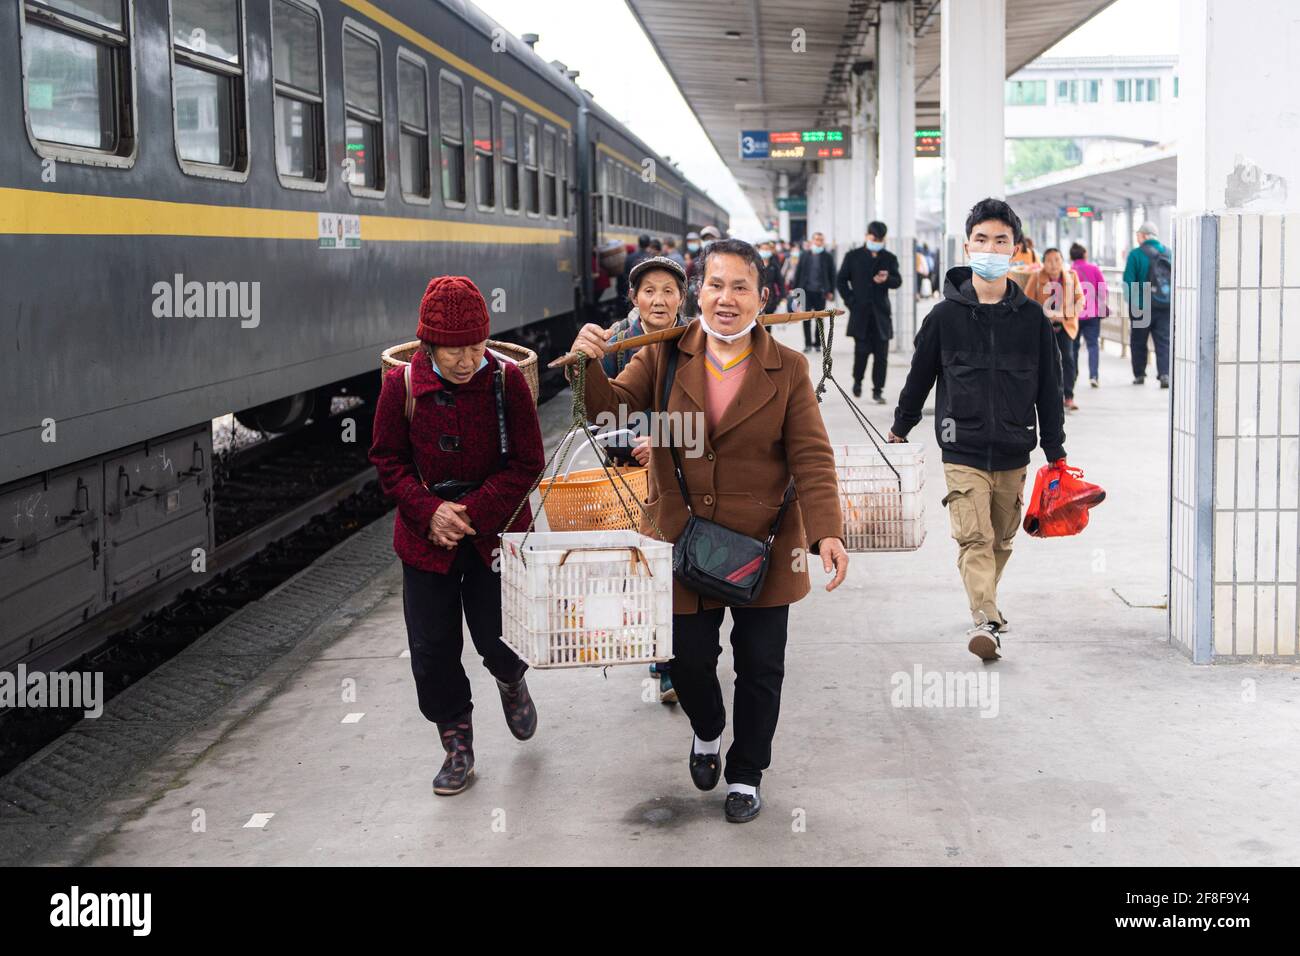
509, 157
564, 175
79, 80
451, 135
413, 128
208, 89
549, 181
484, 144
619, 203
532, 182
363, 112
299, 96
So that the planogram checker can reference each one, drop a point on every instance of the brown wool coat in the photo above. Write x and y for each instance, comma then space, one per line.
772, 430
1065, 294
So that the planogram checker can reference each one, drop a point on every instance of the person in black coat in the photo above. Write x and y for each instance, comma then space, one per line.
865, 278
770, 278
815, 275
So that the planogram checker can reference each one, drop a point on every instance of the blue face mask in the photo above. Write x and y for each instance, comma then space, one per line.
692, 247
875, 246
765, 254
816, 249
482, 363
990, 265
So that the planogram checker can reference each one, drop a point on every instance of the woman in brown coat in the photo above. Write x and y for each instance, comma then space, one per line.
1060, 293
761, 426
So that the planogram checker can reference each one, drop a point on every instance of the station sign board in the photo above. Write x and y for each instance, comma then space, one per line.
831, 142
929, 142
1078, 212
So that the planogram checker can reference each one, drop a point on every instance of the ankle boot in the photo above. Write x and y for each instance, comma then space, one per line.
521, 713
457, 738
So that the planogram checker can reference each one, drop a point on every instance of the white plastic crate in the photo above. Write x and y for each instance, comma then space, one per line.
587, 598
883, 511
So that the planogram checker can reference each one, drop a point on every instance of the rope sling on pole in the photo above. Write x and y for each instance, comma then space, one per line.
579, 424
867, 425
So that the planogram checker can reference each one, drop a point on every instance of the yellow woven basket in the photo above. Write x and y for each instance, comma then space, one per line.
525, 358
587, 500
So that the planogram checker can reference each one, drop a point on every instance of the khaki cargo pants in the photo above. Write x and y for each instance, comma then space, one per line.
984, 508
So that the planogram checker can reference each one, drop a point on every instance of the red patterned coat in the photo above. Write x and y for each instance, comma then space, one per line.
399, 446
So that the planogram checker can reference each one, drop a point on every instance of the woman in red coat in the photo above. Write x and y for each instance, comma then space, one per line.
458, 460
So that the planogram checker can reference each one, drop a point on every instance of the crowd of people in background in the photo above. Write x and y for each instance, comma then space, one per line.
805, 275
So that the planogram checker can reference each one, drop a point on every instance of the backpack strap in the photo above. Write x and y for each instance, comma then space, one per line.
498, 387
410, 394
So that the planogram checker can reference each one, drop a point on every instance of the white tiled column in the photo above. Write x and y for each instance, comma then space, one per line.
1235, 417
896, 69
972, 53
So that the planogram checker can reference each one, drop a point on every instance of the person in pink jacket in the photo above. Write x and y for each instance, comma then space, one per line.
1094, 309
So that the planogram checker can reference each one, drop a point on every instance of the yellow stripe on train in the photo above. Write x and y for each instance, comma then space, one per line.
33, 212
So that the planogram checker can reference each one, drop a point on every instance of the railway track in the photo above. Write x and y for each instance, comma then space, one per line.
281, 504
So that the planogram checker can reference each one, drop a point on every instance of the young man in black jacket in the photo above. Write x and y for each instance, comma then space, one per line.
864, 281
994, 355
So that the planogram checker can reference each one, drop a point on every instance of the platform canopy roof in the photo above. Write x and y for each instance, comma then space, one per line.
1147, 177
734, 64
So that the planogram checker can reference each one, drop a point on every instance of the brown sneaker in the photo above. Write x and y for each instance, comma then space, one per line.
984, 642
458, 767
521, 712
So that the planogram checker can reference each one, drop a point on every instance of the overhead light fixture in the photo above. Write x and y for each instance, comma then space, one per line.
732, 34
742, 79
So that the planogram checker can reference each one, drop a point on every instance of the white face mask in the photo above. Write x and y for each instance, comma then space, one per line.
481, 364
727, 338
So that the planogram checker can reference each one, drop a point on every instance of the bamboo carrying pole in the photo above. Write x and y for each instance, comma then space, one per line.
676, 331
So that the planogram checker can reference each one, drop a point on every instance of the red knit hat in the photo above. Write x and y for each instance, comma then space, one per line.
453, 312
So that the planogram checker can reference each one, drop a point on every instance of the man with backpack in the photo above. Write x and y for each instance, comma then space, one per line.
1148, 282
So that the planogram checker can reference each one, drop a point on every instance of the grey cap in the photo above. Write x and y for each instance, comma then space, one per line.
692, 235
1149, 229
711, 231
656, 262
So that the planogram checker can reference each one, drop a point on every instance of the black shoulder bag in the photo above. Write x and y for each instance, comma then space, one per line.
708, 558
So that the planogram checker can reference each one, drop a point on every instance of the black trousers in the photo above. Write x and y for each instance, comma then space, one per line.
812, 302
433, 604
869, 346
1158, 329
1069, 355
758, 637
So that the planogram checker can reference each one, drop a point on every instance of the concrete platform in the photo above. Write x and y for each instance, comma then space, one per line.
1099, 744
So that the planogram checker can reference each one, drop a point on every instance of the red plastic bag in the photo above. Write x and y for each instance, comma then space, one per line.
1060, 501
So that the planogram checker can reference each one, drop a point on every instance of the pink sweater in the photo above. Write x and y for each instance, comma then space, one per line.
722, 383
1094, 288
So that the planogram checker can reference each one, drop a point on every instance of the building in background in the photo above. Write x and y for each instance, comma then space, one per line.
1090, 149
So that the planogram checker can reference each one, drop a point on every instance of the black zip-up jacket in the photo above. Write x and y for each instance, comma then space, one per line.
996, 365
